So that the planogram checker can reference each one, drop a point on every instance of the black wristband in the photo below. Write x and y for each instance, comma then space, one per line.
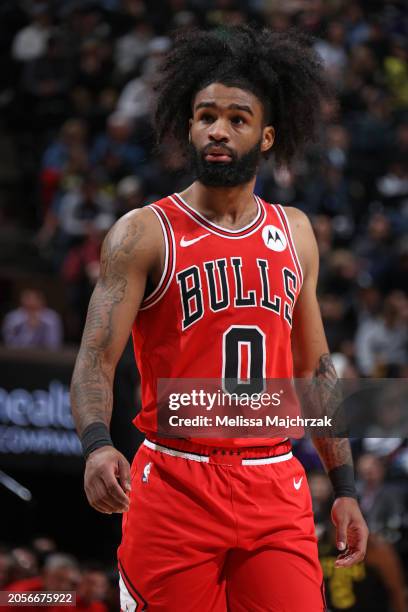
95, 436
342, 479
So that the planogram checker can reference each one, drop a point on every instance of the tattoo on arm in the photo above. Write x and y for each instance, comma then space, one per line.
92, 381
333, 452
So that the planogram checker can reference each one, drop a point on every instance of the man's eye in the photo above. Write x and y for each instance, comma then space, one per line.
237, 120
206, 118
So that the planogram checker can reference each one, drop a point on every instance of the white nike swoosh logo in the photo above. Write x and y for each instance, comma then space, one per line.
297, 484
186, 243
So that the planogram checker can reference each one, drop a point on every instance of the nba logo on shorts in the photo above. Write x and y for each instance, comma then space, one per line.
146, 472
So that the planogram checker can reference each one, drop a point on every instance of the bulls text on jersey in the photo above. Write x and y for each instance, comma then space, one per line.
191, 279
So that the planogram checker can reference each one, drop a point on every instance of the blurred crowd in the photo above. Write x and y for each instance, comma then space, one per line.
77, 151
40, 567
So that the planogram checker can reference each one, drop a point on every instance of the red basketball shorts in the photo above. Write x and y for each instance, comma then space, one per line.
213, 531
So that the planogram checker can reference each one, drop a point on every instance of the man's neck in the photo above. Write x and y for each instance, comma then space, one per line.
230, 207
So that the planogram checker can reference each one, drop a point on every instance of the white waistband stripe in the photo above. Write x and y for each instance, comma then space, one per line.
176, 453
205, 459
265, 460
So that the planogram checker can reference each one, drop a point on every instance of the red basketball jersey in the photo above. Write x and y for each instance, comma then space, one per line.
223, 307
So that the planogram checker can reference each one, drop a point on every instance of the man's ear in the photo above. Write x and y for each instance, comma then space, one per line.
268, 138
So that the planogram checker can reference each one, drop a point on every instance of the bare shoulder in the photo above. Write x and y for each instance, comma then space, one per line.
298, 220
135, 230
136, 238
303, 237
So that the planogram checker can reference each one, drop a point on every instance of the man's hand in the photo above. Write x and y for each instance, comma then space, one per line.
351, 531
107, 480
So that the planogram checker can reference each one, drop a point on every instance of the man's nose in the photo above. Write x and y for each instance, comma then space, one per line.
218, 131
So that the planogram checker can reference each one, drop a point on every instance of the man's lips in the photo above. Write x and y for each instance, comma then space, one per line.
212, 157
217, 155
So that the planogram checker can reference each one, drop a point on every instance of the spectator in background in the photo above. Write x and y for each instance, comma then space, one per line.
368, 302
278, 185
332, 51
43, 546
33, 325
322, 499
381, 503
70, 141
375, 247
398, 274
94, 66
81, 208
137, 97
343, 268
30, 42
357, 28
93, 587
49, 75
386, 422
393, 187
323, 230
115, 151
80, 271
381, 342
131, 48
337, 324
129, 194
165, 174
72, 133
24, 563
61, 573
396, 69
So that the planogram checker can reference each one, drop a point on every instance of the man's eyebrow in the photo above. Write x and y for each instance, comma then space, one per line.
240, 107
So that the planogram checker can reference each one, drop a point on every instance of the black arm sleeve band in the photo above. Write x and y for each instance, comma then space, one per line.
342, 479
95, 436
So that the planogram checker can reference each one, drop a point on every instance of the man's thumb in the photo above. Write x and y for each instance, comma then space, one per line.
341, 536
124, 474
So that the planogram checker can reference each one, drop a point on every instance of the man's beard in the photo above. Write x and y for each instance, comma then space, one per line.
237, 171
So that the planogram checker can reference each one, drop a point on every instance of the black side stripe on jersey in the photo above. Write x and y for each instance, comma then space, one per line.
286, 228
216, 229
290, 286
169, 260
139, 599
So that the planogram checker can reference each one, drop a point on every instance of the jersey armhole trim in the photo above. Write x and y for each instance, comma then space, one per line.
169, 260
285, 223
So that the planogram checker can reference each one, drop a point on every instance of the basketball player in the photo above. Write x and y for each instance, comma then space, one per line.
216, 524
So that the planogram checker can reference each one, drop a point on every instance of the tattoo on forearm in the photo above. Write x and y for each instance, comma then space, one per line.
92, 381
333, 451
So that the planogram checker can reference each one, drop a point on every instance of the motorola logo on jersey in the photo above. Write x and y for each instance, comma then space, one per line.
274, 238
224, 282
